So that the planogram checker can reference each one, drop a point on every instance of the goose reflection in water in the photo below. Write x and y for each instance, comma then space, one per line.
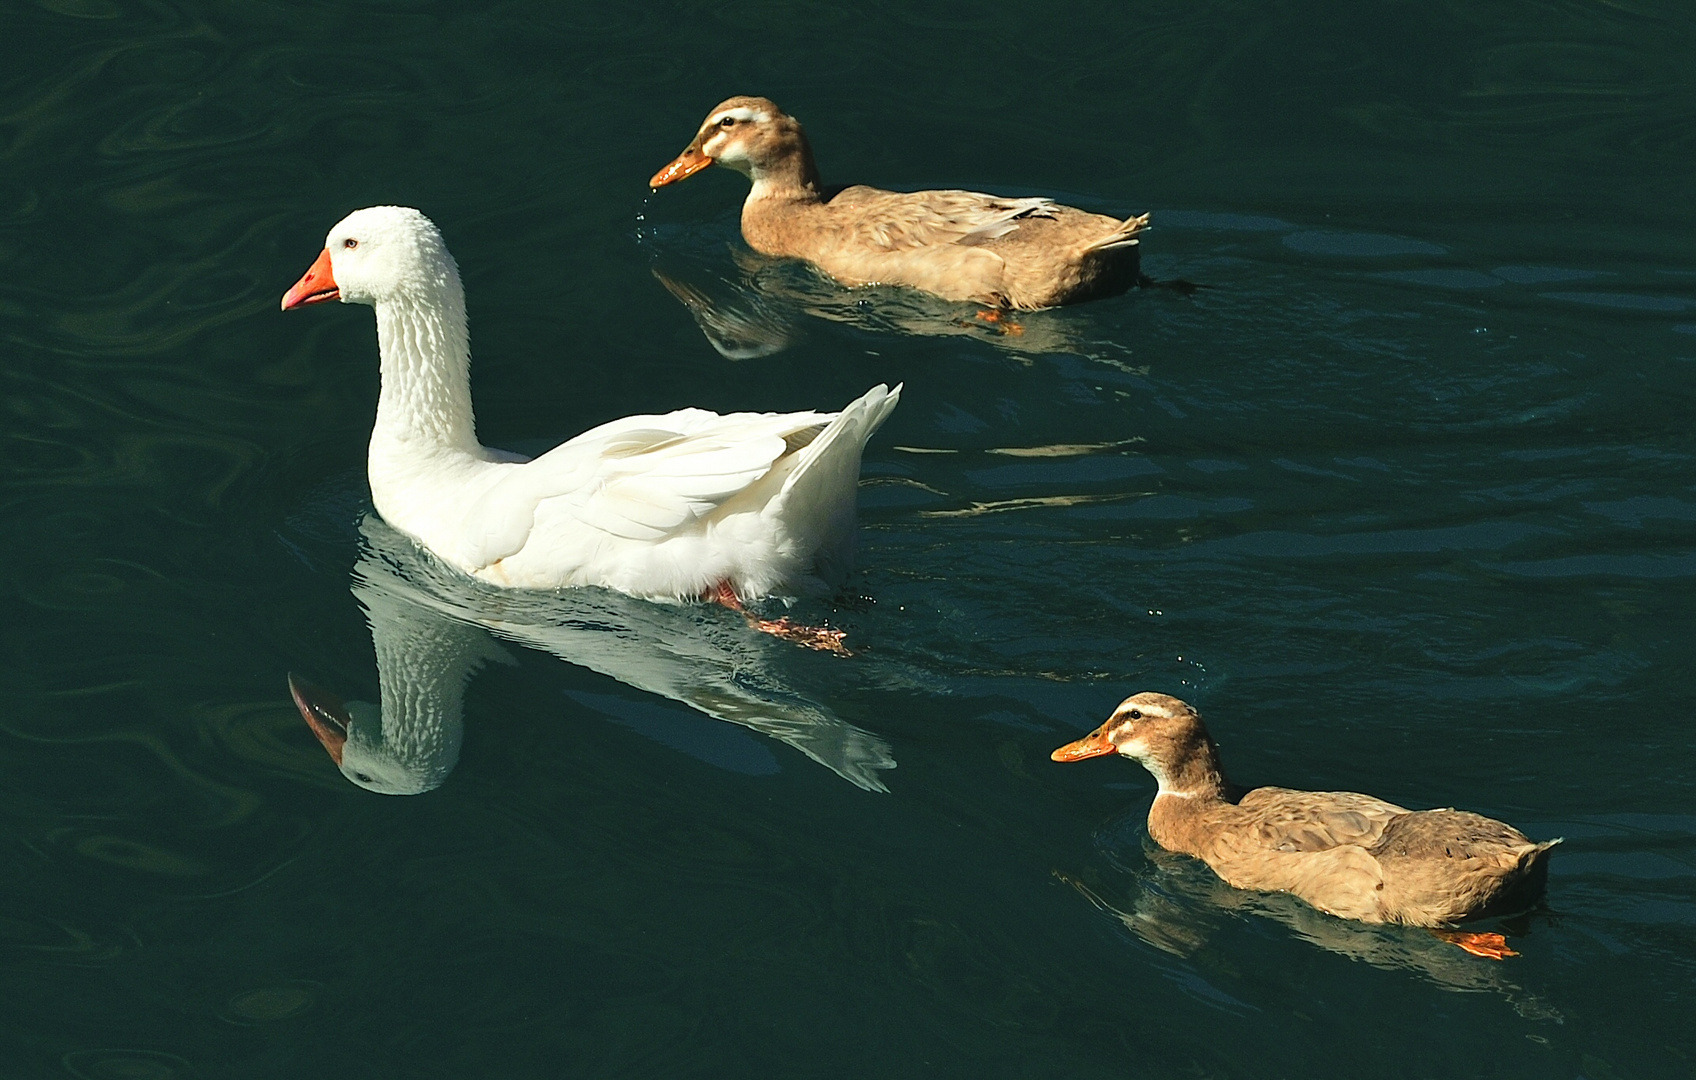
433, 630
1176, 904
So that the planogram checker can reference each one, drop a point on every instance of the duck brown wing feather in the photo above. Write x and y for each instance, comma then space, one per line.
1281, 819
1343, 880
1447, 865
1453, 834
902, 221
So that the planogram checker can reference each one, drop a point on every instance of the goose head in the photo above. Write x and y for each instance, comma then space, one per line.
748, 134
1163, 733
352, 733
374, 255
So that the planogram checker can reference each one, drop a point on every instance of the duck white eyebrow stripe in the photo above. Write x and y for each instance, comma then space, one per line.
741, 112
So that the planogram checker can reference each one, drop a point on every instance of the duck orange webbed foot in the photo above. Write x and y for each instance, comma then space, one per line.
822, 638
1001, 322
1489, 946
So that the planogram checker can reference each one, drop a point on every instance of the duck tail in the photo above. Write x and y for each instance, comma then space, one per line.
1538, 852
1123, 236
1531, 870
818, 494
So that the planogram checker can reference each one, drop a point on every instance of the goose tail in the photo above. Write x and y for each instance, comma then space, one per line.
818, 496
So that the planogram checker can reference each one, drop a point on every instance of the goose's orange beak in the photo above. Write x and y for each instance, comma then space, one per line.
317, 286
324, 713
688, 163
1095, 744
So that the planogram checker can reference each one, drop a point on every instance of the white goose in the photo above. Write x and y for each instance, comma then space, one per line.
686, 505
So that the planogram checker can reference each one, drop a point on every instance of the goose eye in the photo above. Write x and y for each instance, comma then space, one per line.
350, 243
729, 121
1136, 714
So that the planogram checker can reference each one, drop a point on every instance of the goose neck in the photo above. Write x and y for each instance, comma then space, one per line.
425, 399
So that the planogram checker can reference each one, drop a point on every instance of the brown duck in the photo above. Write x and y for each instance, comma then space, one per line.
1347, 854
961, 245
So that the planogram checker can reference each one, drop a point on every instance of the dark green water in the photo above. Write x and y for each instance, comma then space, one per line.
1405, 503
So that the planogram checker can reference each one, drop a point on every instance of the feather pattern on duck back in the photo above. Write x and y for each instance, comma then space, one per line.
895, 220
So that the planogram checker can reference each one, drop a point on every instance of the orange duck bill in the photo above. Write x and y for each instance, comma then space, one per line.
316, 286
1095, 744
688, 163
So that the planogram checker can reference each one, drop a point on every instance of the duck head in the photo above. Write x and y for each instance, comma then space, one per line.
374, 255
750, 135
1165, 734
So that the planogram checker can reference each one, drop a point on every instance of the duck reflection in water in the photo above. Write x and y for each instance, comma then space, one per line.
758, 306
1177, 905
433, 630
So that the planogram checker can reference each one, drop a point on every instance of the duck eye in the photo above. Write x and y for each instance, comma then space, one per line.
729, 121
362, 778
350, 243
1136, 714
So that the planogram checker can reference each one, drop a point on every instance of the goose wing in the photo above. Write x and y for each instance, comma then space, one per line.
639, 478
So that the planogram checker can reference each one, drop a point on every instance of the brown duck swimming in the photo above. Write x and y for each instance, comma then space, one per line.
1344, 853
961, 245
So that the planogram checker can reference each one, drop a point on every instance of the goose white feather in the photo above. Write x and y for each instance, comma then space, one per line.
662, 507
